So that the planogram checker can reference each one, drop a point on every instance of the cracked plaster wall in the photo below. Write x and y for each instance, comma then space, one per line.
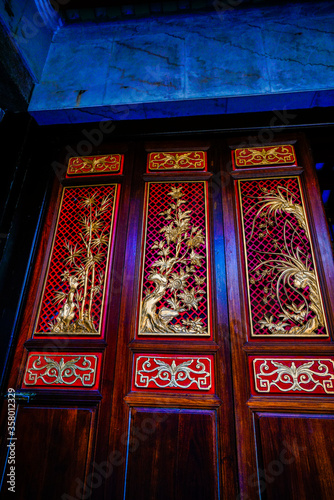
221, 62
30, 36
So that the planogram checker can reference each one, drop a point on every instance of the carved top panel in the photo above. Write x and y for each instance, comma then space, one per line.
95, 165
179, 161
263, 156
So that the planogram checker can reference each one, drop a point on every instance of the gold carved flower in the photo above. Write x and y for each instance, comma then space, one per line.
178, 281
176, 193
189, 299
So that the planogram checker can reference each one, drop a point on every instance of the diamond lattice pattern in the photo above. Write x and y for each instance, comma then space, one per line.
71, 233
274, 233
159, 201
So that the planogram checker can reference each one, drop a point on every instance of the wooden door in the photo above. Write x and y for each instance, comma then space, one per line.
279, 260
180, 297
179, 413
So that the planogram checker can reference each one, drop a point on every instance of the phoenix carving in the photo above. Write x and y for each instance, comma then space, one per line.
289, 267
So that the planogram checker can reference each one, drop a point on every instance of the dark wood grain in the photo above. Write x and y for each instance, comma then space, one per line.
105, 431
174, 400
315, 348
52, 451
152, 455
177, 176
319, 231
238, 328
296, 456
127, 324
178, 145
204, 347
197, 471
241, 342
283, 403
248, 173
172, 459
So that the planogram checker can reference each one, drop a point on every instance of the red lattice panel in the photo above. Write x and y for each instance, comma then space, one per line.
292, 375
277, 247
183, 160
89, 264
163, 373
67, 370
95, 165
194, 193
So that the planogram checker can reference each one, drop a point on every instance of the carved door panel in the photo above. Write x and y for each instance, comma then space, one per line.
123, 356
177, 338
173, 399
281, 318
57, 386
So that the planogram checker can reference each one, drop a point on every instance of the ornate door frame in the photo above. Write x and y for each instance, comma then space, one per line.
118, 416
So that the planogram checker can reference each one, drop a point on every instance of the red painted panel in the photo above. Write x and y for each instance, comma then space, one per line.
95, 165
264, 156
173, 373
70, 370
75, 287
292, 375
183, 160
284, 293
175, 286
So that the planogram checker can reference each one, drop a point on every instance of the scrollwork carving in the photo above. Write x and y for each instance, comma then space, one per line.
154, 372
288, 377
46, 370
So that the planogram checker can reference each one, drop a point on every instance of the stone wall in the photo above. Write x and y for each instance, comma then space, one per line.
226, 61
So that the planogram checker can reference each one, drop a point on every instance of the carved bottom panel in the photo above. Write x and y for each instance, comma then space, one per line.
287, 375
173, 373
68, 371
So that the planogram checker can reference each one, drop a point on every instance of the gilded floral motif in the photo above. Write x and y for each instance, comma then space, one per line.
177, 260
